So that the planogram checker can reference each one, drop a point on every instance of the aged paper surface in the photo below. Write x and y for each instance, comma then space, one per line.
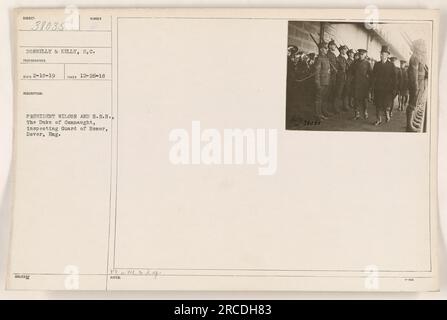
177, 149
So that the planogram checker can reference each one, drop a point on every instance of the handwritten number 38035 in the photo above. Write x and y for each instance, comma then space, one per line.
47, 26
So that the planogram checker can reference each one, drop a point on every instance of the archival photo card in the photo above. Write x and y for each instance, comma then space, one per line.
225, 149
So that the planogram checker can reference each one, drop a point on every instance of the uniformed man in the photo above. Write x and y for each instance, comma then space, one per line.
361, 84
371, 91
297, 58
301, 65
348, 96
310, 79
301, 72
312, 56
322, 69
291, 50
403, 85
291, 77
332, 94
397, 71
416, 81
384, 84
340, 83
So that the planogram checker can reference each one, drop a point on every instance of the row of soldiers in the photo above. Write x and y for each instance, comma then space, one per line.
346, 81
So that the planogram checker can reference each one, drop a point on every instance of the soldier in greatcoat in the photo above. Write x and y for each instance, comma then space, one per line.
348, 92
398, 76
403, 85
322, 70
291, 83
301, 71
332, 56
341, 78
361, 84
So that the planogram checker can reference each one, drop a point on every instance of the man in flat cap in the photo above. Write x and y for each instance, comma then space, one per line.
361, 84
340, 81
333, 107
384, 85
322, 70
403, 85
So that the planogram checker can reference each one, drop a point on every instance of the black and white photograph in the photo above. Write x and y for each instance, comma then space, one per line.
358, 76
